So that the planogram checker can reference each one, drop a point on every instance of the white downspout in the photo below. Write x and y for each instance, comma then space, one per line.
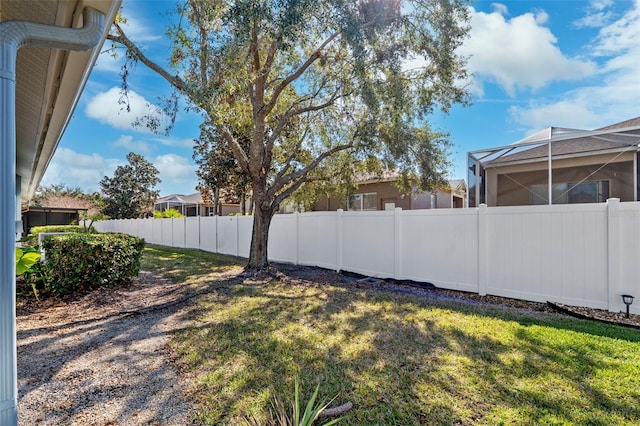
13, 36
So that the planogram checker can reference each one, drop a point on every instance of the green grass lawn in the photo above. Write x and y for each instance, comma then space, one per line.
400, 359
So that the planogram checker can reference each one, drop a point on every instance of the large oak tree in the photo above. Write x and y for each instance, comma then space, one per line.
308, 81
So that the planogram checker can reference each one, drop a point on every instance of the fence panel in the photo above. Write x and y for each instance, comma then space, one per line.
318, 240
208, 234
283, 236
368, 240
549, 253
192, 232
244, 230
178, 232
629, 260
166, 226
228, 235
146, 229
441, 247
156, 228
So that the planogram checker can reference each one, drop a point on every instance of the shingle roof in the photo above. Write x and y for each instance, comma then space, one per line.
195, 198
632, 122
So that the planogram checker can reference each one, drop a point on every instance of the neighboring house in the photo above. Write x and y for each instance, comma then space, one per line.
559, 166
42, 216
382, 194
39, 89
192, 205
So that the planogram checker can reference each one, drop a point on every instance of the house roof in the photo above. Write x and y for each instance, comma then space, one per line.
48, 82
565, 142
632, 122
390, 176
195, 198
458, 184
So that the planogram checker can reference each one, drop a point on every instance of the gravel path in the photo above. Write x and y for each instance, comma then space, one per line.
85, 363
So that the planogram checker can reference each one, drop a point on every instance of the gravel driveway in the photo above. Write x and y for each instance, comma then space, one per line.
95, 361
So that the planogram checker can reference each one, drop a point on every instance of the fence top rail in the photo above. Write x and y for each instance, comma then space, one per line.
555, 208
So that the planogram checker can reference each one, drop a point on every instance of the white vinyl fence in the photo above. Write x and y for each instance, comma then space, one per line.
578, 254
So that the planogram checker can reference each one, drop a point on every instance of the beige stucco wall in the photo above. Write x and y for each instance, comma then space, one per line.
509, 185
387, 192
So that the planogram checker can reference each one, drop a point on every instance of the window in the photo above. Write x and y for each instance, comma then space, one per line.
571, 193
368, 201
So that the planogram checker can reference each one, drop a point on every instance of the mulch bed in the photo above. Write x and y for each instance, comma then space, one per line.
320, 275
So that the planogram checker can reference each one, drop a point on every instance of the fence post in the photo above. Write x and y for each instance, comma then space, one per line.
238, 236
296, 255
613, 254
216, 227
483, 253
397, 243
339, 240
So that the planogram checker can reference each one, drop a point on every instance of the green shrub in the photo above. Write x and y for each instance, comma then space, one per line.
37, 230
168, 213
84, 261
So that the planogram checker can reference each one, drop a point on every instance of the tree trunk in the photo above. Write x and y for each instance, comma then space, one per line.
216, 202
258, 258
243, 204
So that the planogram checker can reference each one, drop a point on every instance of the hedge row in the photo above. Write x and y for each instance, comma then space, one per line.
37, 230
83, 261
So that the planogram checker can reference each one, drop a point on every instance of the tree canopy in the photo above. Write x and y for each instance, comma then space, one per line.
59, 195
130, 192
309, 84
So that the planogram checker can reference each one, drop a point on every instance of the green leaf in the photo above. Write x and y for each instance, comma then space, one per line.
24, 261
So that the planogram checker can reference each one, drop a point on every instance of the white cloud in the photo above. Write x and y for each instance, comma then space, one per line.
614, 98
593, 20
110, 107
174, 142
600, 4
175, 168
107, 62
595, 17
518, 53
560, 114
126, 141
83, 170
621, 36
137, 30
500, 8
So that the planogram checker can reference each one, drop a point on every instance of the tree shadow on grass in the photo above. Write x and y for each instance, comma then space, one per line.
395, 357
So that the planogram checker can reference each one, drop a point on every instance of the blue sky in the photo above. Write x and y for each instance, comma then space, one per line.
535, 64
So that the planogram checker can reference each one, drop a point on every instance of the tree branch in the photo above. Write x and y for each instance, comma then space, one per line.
238, 152
282, 121
297, 73
121, 38
300, 174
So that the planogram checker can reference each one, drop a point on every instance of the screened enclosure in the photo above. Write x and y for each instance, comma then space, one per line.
558, 166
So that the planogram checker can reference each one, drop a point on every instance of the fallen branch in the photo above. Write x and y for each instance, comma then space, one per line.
336, 411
